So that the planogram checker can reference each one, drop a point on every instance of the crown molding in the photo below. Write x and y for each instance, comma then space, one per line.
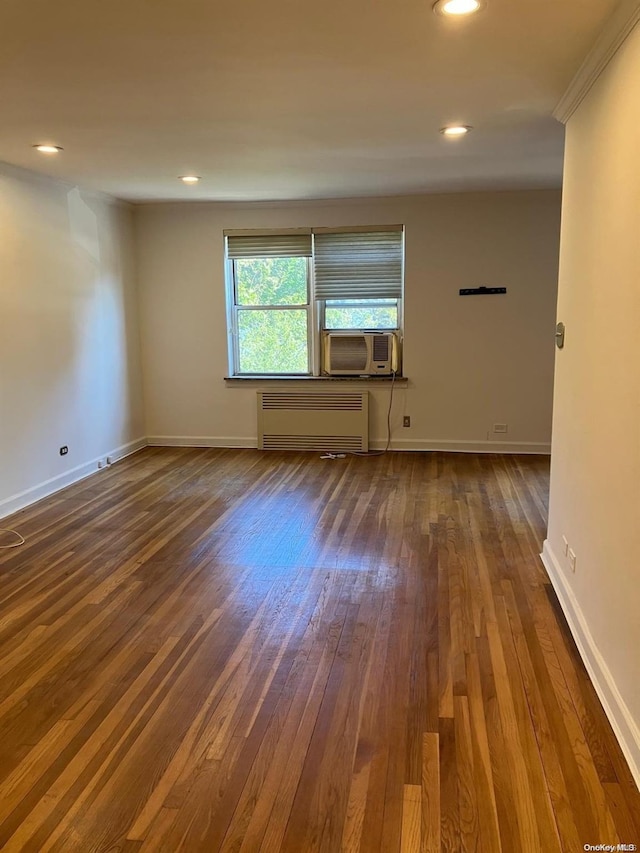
616, 30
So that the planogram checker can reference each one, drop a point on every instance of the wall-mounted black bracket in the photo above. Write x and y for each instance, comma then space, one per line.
481, 291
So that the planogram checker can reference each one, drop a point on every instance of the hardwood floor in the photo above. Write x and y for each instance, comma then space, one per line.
210, 650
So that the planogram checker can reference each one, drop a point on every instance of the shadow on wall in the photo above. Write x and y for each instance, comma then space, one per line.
66, 293
107, 367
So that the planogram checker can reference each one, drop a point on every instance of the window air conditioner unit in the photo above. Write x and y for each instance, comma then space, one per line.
360, 353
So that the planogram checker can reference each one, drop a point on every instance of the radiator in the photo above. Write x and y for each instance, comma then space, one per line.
310, 420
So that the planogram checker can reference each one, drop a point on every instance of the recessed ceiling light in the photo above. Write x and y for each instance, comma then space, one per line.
48, 149
189, 179
457, 7
456, 130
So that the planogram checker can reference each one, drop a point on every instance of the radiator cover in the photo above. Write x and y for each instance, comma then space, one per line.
313, 420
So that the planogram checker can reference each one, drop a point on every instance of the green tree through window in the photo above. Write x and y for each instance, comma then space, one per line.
272, 332
361, 314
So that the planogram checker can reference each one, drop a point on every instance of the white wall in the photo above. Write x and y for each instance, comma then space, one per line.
69, 337
471, 361
595, 482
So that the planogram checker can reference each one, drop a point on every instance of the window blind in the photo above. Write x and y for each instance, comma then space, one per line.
269, 246
358, 264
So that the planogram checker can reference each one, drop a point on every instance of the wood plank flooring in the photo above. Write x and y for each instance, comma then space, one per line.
209, 650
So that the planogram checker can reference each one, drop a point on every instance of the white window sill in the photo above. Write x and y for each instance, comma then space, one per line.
293, 378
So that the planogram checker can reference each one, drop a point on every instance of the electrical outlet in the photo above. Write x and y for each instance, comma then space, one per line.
500, 427
565, 545
572, 559
406, 421
64, 450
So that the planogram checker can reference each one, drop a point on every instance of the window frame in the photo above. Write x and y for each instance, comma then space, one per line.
373, 303
234, 327
316, 320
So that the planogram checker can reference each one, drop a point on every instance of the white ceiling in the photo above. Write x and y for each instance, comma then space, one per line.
287, 99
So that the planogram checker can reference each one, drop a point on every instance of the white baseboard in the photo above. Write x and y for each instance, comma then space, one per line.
375, 444
201, 441
625, 727
538, 448
127, 449
42, 490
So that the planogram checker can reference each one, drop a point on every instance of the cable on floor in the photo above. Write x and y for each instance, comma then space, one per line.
14, 533
371, 452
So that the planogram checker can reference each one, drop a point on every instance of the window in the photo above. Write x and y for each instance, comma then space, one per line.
361, 314
286, 289
358, 278
272, 312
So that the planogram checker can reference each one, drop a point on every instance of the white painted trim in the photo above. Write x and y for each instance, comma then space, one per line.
622, 722
455, 446
42, 490
616, 30
201, 441
379, 444
127, 449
